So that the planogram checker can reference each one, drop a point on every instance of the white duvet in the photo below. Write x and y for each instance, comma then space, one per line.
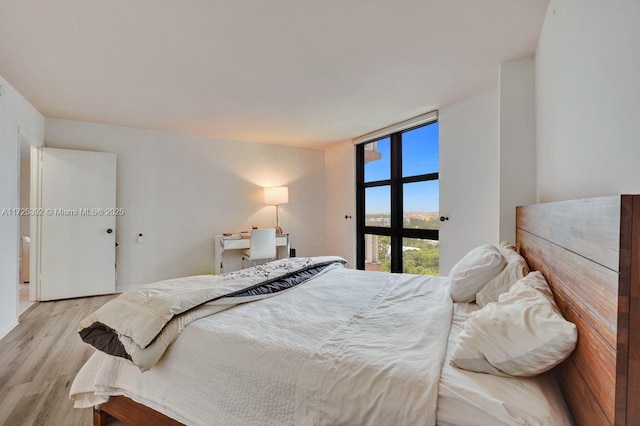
141, 324
347, 347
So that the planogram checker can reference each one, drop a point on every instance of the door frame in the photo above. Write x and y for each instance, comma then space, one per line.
35, 222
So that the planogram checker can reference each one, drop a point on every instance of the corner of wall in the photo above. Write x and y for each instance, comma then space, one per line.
518, 182
8, 329
18, 117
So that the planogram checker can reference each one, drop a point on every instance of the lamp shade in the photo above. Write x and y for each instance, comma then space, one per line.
276, 195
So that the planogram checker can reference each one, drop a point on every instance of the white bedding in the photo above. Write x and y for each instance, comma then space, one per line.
141, 324
383, 366
257, 363
476, 399
250, 365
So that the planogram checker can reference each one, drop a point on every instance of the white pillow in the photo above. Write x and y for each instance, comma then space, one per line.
474, 271
523, 334
515, 270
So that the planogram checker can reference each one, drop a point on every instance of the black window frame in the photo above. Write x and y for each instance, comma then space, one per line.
396, 231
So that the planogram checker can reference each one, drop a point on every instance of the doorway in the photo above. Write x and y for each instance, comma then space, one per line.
25, 280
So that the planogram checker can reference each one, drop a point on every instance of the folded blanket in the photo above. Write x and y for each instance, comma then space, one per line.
139, 325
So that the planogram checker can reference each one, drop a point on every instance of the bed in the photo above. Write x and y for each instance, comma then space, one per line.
584, 248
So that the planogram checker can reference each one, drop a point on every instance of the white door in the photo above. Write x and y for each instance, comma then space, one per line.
78, 223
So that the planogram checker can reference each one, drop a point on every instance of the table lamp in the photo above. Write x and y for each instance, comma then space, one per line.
276, 195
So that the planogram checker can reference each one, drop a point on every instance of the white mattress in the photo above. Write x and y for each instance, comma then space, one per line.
477, 399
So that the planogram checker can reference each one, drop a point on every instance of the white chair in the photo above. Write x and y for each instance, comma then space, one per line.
262, 245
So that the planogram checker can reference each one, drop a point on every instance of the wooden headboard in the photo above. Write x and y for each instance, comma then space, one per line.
589, 252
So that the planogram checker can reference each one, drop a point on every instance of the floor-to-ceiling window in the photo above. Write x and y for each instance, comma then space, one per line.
398, 202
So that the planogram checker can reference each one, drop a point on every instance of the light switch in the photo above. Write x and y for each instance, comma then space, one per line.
140, 239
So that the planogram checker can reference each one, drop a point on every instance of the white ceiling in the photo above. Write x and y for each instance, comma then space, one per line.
293, 72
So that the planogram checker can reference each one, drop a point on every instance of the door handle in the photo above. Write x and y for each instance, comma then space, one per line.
109, 231
443, 218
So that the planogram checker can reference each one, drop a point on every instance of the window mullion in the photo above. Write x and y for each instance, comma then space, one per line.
421, 178
360, 208
377, 183
396, 202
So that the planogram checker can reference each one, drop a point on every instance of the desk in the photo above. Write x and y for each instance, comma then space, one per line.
223, 244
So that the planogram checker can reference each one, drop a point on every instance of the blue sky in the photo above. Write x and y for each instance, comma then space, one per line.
419, 156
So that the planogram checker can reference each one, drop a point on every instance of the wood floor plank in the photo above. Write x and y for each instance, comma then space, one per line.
38, 361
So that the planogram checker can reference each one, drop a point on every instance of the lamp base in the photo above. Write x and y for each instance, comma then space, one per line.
278, 230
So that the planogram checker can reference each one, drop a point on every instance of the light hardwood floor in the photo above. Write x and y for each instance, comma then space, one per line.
38, 361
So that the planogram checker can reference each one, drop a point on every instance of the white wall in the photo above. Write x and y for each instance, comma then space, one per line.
588, 99
340, 200
517, 142
476, 135
469, 177
180, 191
17, 117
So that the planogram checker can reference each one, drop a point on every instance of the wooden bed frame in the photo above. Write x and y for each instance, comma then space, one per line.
130, 413
589, 252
